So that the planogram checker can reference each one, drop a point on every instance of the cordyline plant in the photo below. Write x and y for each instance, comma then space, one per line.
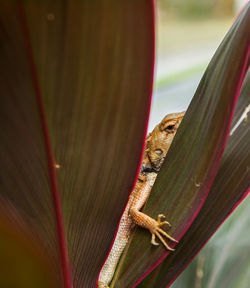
76, 82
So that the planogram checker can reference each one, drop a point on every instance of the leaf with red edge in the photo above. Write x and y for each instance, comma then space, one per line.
230, 187
193, 159
76, 82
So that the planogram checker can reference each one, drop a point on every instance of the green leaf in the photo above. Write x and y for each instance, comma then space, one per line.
76, 82
193, 160
230, 187
225, 260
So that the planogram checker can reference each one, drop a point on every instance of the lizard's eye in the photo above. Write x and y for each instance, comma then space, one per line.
170, 128
158, 152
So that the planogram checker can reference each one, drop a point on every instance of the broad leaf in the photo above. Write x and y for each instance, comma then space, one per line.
76, 81
193, 160
230, 187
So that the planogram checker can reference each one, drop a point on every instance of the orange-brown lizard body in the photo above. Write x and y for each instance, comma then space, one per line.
157, 146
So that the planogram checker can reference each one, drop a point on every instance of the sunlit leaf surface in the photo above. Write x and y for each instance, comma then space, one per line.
229, 188
192, 162
76, 81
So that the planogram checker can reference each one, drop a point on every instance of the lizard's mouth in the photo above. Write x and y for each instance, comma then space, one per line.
149, 170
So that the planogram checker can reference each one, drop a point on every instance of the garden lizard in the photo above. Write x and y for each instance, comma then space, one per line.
157, 146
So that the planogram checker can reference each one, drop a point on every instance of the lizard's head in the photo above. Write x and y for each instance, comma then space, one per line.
159, 141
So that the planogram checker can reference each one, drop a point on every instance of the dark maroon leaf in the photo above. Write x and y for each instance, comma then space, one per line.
24, 263
193, 160
230, 187
76, 81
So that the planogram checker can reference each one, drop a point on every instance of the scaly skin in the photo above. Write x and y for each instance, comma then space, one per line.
157, 146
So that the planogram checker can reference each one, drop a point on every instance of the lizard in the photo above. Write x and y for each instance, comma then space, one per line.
157, 145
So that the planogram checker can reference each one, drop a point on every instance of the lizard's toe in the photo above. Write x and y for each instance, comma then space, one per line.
160, 233
161, 223
166, 235
153, 240
163, 241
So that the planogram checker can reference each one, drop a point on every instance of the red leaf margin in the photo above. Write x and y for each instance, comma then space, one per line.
37, 87
153, 10
52, 172
214, 172
162, 254
158, 276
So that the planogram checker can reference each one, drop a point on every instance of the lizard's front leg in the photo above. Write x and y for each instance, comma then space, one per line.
140, 196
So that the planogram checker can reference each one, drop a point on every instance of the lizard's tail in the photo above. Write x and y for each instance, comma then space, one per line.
121, 240
102, 285
108, 269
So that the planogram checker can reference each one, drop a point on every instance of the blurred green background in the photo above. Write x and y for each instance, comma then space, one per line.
225, 260
188, 34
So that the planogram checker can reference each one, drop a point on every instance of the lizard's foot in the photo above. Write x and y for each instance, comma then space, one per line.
157, 231
154, 226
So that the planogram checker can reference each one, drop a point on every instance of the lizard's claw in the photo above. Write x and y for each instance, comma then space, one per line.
153, 240
160, 216
157, 231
